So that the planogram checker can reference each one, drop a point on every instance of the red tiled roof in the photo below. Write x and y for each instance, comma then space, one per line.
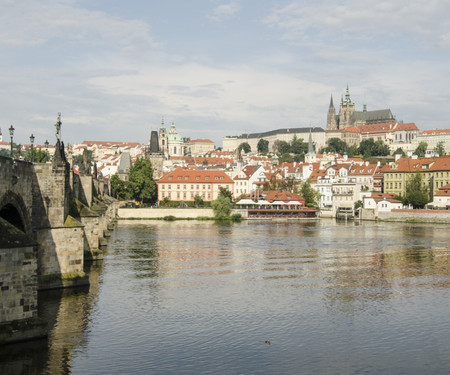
200, 141
377, 197
443, 191
441, 163
285, 196
387, 127
195, 176
435, 131
351, 130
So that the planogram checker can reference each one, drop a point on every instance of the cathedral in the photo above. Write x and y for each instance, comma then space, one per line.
349, 118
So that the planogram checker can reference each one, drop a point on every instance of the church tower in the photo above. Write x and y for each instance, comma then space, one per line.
346, 111
163, 145
331, 118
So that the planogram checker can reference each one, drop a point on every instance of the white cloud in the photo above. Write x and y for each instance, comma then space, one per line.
224, 11
425, 20
35, 23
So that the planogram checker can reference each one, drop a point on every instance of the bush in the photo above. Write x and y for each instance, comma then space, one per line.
236, 218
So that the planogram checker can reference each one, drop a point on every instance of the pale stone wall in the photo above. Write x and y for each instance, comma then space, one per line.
153, 213
182, 213
61, 250
416, 215
18, 283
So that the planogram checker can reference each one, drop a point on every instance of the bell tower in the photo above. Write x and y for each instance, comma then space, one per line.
331, 118
346, 111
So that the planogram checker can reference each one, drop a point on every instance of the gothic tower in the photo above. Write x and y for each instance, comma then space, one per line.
346, 111
331, 118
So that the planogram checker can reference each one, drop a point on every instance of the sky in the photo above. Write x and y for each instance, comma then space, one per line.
115, 69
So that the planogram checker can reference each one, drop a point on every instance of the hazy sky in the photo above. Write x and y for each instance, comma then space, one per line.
216, 68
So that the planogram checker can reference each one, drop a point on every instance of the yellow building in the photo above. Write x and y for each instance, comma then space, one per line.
435, 173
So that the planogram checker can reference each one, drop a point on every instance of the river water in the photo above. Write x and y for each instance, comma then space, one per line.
309, 297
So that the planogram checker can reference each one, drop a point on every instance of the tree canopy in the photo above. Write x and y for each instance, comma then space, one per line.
244, 147
440, 149
221, 206
421, 149
309, 194
336, 145
263, 146
369, 147
140, 185
417, 193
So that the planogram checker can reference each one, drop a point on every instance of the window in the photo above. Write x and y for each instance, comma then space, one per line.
184, 195
162, 187
197, 178
184, 187
186, 177
192, 187
169, 187
198, 187
207, 178
179, 177
204, 187
178, 187
170, 177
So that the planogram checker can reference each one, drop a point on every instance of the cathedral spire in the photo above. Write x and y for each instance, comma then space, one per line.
331, 102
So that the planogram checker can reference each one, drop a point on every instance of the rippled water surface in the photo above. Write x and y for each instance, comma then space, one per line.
318, 297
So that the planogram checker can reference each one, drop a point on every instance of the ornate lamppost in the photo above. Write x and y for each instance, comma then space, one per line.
11, 133
32, 141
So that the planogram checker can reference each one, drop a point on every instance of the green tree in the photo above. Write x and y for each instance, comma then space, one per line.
440, 149
417, 193
198, 201
38, 156
244, 147
399, 151
221, 207
284, 147
352, 151
336, 145
309, 194
140, 184
263, 146
369, 147
78, 159
119, 187
421, 149
226, 193
299, 147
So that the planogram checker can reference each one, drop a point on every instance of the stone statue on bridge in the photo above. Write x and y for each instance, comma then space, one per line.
58, 127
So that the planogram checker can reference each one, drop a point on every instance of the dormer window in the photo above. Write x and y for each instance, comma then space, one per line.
170, 177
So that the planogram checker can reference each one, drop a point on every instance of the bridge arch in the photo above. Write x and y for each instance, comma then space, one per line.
14, 210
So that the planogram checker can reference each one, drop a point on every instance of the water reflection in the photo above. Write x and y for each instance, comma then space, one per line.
203, 297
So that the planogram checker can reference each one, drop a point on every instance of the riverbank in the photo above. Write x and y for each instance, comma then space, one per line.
405, 216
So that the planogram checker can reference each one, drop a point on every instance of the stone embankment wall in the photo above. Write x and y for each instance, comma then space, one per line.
179, 213
432, 216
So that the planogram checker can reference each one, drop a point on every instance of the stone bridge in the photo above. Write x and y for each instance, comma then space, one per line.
51, 221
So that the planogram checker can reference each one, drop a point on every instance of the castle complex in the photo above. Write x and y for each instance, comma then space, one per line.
348, 117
